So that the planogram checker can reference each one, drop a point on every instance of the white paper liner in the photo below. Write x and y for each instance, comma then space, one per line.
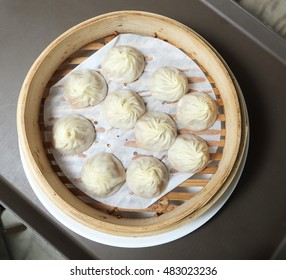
120, 142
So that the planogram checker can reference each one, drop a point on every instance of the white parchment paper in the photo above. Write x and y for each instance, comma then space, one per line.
120, 142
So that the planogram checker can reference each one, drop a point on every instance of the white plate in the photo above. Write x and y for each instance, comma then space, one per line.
140, 242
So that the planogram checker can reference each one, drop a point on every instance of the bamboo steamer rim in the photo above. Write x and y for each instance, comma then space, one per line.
72, 40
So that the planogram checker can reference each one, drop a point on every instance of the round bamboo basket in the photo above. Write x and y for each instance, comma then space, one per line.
178, 206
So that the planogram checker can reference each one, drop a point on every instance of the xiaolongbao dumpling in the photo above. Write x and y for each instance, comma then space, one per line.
155, 131
103, 175
189, 153
147, 177
168, 84
72, 135
123, 64
122, 108
196, 111
85, 87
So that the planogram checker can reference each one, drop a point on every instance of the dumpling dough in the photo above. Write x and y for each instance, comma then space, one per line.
155, 131
72, 135
189, 153
103, 175
147, 177
85, 87
123, 64
196, 111
168, 84
122, 108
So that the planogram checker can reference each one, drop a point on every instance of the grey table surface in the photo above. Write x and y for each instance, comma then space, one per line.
253, 221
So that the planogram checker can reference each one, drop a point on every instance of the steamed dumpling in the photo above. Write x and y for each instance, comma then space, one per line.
196, 111
155, 131
123, 64
147, 177
168, 84
85, 87
103, 175
72, 135
122, 108
189, 153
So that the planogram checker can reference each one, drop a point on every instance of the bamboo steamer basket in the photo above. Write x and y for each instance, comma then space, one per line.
177, 207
